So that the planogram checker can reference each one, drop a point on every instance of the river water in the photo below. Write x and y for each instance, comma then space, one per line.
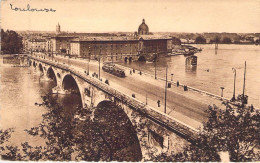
214, 70
21, 88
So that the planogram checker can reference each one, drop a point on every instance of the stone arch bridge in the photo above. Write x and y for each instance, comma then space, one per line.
157, 132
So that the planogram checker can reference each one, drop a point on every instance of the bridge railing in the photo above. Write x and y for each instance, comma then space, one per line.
150, 112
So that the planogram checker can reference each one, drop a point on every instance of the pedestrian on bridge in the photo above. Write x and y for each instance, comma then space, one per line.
158, 102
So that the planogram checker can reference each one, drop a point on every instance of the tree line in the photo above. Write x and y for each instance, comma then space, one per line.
11, 42
224, 40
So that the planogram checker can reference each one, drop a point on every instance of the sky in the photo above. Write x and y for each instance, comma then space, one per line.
238, 16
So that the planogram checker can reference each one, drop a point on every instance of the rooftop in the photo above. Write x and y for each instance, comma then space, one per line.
121, 38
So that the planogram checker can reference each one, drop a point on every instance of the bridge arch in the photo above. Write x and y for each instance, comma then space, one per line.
71, 85
130, 59
142, 58
34, 64
121, 134
51, 74
40, 67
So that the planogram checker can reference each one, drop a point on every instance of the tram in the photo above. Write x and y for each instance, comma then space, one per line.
113, 69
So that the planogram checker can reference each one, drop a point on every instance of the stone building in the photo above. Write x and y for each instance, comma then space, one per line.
61, 43
36, 45
118, 48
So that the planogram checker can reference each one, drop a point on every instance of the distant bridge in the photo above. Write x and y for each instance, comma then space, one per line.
157, 132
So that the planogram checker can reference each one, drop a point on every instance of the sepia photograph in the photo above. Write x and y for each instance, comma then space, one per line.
130, 80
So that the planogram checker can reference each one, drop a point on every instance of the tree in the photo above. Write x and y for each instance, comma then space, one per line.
235, 129
176, 41
8, 151
80, 136
200, 40
11, 42
226, 40
215, 40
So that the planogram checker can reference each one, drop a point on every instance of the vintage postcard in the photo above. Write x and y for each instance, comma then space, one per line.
130, 80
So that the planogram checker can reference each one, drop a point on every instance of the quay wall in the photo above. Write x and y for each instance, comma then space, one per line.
12, 60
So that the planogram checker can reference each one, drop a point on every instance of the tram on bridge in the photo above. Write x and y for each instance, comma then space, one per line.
113, 69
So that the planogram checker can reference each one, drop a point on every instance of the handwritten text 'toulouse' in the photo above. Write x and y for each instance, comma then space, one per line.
28, 8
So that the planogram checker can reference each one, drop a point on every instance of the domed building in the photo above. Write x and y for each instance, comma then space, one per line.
143, 29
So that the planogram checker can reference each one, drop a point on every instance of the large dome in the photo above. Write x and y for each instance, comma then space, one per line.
143, 29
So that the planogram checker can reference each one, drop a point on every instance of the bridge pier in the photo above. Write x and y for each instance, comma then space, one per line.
59, 90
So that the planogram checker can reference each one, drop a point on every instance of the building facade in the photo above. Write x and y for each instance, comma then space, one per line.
119, 48
36, 45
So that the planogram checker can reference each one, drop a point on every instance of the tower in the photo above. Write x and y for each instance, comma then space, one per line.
58, 28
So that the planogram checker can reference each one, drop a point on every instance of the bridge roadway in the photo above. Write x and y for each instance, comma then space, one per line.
185, 106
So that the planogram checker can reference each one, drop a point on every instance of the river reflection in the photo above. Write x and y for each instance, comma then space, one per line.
191, 69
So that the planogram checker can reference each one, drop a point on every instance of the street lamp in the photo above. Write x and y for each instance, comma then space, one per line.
165, 90
112, 53
155, 67
99, 64
95, 57
69, 60
234, 94
244, 84
146, 99
222, 88
156, 60
88, 58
